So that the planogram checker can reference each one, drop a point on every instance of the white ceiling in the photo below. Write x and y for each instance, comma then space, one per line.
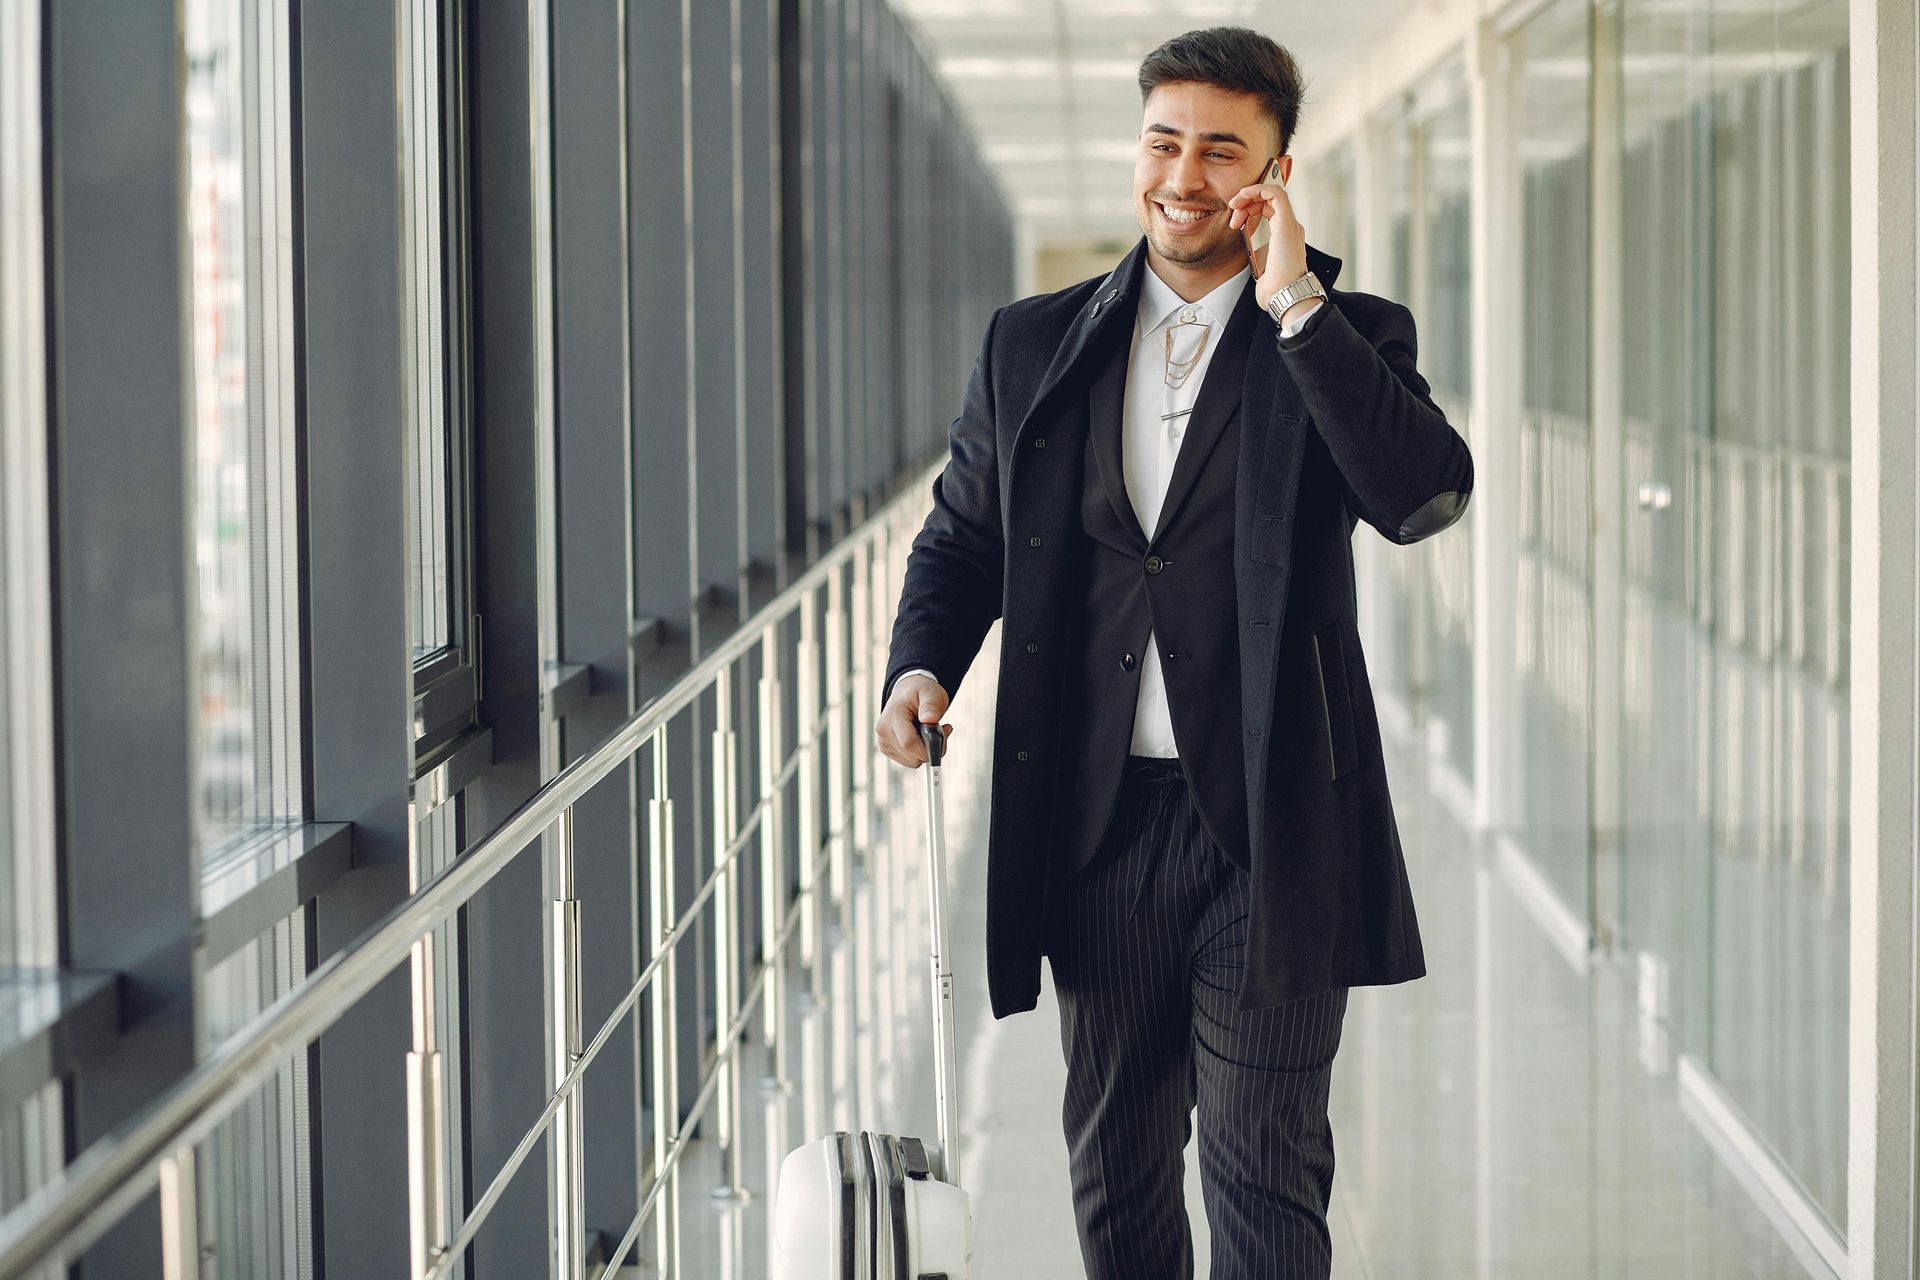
1049, 85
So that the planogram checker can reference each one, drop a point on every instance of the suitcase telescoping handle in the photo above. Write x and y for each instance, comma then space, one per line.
941, 965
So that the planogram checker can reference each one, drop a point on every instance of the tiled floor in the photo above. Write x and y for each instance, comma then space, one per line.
1504, 1118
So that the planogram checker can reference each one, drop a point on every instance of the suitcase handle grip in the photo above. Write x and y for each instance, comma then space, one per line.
935, 742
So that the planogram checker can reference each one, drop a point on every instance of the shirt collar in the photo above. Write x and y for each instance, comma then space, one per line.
1159, 304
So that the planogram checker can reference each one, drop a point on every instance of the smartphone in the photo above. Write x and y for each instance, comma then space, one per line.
1260, 233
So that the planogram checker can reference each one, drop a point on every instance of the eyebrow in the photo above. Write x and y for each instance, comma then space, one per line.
1234, 138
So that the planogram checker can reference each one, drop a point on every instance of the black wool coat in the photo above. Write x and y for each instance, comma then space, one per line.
1336, 426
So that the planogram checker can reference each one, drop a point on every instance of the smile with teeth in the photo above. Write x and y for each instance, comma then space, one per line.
1182, 217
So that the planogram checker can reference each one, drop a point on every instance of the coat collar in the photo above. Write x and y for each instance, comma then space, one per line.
1114, 303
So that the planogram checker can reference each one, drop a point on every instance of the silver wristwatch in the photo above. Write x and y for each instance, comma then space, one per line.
1307, 286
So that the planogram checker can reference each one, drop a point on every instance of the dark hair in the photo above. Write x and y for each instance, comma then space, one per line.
1237, 59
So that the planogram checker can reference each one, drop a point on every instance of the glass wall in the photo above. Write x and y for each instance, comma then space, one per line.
1553, 602
240, 223
1736, 148
30, 1125
1423, 613
1732, 543
27, 938
254, 1169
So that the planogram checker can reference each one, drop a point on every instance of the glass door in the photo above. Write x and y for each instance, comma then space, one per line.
1734, 768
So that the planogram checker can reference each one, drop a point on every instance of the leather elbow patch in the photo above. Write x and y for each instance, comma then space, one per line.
1439, 512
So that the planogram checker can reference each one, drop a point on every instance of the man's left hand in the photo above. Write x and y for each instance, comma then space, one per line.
1287, 246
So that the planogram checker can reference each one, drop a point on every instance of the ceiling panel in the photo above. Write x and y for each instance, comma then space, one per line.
1049, 85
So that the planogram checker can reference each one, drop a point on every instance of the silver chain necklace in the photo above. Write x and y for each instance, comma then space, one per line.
1178, 371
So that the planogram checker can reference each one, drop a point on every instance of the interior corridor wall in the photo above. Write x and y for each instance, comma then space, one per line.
1669, 198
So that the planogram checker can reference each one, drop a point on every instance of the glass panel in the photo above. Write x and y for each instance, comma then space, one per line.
1442, 303
255, 1176
255, 1188
1735, 154
244, 498
1393, 605
431, 145
1331, 208
31, 1140
27, 920
1554, 593
1666, 431
1419, 610
1776, 481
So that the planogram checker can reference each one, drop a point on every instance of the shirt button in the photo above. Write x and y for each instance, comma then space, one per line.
1032, 647
1155, 564
1126, 662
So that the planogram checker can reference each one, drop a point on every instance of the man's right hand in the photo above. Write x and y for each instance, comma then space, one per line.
916, 700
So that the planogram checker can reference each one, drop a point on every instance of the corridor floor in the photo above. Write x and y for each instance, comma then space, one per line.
1506, 1117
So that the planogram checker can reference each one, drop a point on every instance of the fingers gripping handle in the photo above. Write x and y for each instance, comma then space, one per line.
940, 967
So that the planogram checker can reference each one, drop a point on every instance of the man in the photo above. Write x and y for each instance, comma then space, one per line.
1154, 481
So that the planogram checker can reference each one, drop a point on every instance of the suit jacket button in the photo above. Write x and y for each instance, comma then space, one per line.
1039, 442
1126, 662
1033, 542
1019, 755
1032, 647
1154, 564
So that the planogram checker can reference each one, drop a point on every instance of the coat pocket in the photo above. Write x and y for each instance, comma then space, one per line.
1329, 657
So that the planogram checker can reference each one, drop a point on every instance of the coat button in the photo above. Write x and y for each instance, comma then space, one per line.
1155, 564
1033, 542
1032, 647
1019, 755
1126, 662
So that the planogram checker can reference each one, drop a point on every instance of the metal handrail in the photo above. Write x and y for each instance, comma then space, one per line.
149, 1149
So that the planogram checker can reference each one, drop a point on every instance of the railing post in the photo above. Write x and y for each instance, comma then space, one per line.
666, 1037
860, 626
807, 701
837, 749
566, 1163
179, 1217
773, 862
426, 1119
726, 938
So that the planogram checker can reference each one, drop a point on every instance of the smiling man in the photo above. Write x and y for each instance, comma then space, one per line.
1154, 481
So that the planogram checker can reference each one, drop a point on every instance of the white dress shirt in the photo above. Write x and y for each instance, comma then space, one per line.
1150, 445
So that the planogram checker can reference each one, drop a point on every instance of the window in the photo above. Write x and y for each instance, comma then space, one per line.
255, 1180
30, 1134
246, 610
443, 637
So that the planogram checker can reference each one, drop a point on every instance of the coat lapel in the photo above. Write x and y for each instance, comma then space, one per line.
1106, 399
1111, 308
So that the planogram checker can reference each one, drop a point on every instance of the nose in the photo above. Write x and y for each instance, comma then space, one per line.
1189, 174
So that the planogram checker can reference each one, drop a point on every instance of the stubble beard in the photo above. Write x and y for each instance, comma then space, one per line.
1186, 252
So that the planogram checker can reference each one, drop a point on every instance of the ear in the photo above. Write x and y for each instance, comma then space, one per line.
1286, 169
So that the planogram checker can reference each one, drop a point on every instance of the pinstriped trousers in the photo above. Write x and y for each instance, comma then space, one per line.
1146, 946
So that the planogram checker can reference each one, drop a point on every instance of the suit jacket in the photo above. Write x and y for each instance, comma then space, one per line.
1177, 585
1337, 426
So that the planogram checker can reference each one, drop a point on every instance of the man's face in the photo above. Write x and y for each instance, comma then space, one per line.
1199, 145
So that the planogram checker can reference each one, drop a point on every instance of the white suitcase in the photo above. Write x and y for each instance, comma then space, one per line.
872, 1206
